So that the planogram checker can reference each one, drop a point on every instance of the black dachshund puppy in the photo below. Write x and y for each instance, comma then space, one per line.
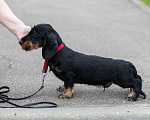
74, 67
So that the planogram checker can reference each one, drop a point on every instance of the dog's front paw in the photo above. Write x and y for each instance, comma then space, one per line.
67, 93
64, 96
61, 88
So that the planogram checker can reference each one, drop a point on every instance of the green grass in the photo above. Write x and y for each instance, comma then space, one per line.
146, 2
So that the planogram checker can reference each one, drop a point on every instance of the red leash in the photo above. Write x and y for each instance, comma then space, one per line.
45, 67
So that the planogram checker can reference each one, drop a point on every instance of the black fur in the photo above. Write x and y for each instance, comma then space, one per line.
74, 67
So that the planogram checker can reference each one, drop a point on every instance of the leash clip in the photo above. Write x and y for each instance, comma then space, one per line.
44, 75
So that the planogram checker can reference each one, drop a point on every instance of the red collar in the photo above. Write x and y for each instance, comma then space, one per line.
45, 67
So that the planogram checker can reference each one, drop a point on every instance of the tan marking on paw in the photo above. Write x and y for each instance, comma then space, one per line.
67, 93
132, 93
61, 88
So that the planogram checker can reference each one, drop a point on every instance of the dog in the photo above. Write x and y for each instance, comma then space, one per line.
74, 67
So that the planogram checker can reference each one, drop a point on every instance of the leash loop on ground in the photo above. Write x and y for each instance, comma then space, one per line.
5, 99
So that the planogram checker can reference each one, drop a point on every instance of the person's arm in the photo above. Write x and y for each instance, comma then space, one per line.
11, 22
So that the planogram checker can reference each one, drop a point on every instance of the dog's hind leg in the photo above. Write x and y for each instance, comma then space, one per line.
131, 96
137, 84
130, 81
140, 86
136, 90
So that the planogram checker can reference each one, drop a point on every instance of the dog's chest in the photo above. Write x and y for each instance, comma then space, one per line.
56, 70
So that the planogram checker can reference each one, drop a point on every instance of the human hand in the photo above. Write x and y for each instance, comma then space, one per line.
22, 32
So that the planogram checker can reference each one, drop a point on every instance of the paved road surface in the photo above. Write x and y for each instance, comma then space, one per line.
117, 29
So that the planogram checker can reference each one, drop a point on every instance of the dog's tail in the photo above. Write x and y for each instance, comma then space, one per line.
138, 77
135, 75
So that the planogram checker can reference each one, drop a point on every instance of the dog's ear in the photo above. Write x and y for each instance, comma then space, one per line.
50, 46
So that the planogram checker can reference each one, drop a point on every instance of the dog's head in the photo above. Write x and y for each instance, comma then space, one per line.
42, 35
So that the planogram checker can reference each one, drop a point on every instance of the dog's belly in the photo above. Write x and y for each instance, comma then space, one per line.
95, 79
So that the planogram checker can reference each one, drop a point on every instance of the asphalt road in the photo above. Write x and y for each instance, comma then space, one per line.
117, 29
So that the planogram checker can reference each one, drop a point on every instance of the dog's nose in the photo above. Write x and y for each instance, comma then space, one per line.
20, 42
